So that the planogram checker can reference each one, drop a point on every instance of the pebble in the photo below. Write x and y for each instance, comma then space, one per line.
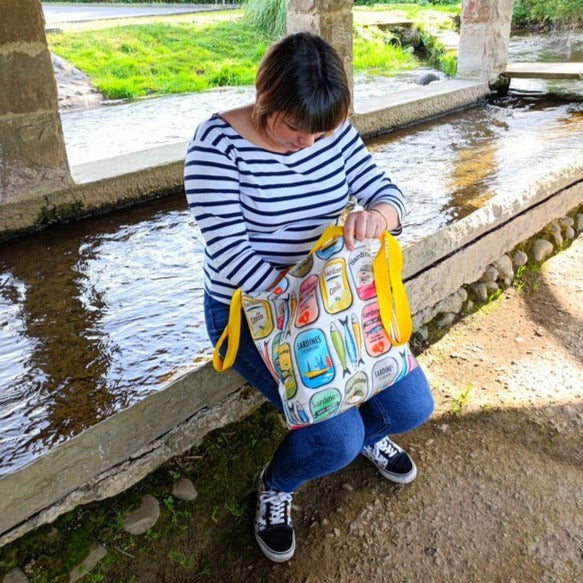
541, 250
184, 490
15, 575
143, 518
96, 553
504, 267
519, 259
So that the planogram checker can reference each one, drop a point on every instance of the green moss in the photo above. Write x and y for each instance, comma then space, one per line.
224, 469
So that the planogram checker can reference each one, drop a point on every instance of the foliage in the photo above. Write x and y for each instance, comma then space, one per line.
269, 16
128, 62
547, 12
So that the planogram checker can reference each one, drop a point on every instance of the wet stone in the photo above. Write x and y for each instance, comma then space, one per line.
579, 222
145, 517
569, 233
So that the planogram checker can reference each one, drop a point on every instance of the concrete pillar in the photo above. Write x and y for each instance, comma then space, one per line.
33, 160
331, 19
484, 36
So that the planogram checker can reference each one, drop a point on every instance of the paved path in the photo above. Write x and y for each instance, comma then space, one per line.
66, 13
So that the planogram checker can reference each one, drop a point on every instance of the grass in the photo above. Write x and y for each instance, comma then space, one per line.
372, 52
459, 400
133, 61
140, 60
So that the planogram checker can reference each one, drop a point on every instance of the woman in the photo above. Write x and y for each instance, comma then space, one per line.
262, 182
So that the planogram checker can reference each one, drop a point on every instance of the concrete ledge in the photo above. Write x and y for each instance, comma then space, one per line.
110, 184
154, 429
116, 453
402, 108
458, 254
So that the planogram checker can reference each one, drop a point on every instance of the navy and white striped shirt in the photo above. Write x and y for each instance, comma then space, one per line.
261, 211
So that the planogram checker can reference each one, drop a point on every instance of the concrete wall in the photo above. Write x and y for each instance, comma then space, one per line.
32, 150
484, 36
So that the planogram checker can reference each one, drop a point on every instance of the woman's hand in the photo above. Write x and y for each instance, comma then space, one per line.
369, 224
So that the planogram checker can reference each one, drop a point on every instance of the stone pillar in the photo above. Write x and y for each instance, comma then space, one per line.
33, 160
331, 19
484, 36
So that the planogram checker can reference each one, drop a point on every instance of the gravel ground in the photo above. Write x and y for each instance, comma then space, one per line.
498, 496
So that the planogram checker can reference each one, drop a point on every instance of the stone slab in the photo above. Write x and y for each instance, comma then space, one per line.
378, 115
545, 70
140, 176
73, 464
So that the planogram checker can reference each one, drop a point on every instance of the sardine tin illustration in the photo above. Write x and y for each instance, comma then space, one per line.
338, 344
267, 360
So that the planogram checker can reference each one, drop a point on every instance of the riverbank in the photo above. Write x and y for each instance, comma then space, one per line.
497, 498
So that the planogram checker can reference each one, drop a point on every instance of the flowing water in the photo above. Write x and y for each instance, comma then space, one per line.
96, 315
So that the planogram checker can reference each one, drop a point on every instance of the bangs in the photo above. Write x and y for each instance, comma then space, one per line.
318, 114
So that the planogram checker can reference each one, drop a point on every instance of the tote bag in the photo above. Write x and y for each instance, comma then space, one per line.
333, 332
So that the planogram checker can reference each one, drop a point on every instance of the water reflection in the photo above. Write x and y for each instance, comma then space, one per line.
469, 157
92, 317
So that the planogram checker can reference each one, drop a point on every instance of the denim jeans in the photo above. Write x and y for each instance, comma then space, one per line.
322, 448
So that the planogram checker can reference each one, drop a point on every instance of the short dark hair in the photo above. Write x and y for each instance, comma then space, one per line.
302, 76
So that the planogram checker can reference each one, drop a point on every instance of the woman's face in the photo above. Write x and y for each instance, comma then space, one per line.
283, 132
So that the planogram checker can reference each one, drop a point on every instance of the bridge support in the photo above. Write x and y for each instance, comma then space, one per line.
33, 160
484, 36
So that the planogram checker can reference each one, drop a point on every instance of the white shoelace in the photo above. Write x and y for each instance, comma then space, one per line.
275, 508
387, 448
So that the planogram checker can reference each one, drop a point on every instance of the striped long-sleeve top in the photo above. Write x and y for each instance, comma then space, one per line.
260, 211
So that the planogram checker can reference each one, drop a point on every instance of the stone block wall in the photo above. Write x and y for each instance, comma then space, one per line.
484, 36
32, 151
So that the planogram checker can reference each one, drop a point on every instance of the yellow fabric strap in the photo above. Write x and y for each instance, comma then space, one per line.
231, 334
393, 304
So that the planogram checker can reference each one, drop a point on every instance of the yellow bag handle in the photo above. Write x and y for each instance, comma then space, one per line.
232, 331
387, 267
393, 304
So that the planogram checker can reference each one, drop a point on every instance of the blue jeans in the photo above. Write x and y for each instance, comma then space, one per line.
322, 448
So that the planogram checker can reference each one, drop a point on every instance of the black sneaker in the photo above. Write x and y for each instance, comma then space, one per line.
391, 460
273, 525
